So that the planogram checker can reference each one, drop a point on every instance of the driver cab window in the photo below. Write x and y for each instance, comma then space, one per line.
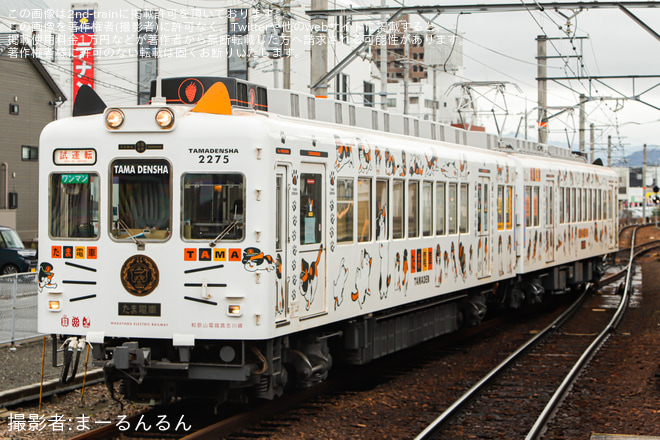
213, 206
141, 199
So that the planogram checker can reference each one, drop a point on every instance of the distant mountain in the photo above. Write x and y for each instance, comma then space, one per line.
636, 159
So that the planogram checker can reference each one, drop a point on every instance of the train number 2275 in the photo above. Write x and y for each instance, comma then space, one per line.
209, 158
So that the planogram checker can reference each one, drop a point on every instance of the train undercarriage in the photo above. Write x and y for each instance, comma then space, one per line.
156, 371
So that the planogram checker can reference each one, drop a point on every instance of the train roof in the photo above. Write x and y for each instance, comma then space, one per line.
299, 105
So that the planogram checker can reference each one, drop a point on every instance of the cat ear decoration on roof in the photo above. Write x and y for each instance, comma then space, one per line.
215, 101
88, 102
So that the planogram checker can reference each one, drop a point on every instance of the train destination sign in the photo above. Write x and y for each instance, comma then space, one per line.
141, 167
76, 156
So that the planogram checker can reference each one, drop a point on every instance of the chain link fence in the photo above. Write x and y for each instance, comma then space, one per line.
18, 307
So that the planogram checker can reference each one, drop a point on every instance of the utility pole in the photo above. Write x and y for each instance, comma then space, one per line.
644, 187
542, 71
406, 67
609, 151
287, 45
582, 123
592, 140
319, 55
383, 60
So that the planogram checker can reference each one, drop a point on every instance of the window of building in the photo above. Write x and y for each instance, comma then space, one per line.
29, 153
368, 89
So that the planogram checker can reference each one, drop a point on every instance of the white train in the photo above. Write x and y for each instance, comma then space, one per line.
228, 240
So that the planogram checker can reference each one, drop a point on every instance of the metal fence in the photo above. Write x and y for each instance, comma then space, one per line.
18, 307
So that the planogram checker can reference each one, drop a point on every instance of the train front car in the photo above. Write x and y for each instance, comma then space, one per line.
155, 244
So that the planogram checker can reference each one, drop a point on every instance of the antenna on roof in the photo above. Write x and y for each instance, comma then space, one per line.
158, 97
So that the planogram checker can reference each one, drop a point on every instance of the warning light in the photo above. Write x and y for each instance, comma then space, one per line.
234, 310
54, 306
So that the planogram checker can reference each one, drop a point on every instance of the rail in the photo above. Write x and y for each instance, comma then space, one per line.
537, 429
562, 391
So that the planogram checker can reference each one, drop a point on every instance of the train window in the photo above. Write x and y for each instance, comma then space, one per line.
338, 114
398, 209
464, 224
573, 213
213, 206
141, 199
569, 206
413, 209
509, 207
364, 209
561, 205
600, 204
500, 207
427, 208
593, 203
536, 206
311, 208
452, 208
345, 201
578, 203
550, 208
311, 108
74, 205
382, 205
528, 206
440, 198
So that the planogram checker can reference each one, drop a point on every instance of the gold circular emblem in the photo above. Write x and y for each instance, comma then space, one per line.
139, 275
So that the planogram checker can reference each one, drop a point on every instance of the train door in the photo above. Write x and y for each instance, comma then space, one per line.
550, 221
311, 229
281, 244
483, 226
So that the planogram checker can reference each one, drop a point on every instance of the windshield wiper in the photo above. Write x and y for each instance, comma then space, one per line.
124, 226
225, 231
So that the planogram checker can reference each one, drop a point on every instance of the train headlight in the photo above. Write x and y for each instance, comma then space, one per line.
234, 310
114, 118
54, 305
165, 118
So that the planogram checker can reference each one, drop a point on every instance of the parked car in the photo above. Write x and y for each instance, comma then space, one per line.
14, 257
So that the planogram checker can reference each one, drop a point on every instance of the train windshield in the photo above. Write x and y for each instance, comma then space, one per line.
74, 205
141, 199
213, 206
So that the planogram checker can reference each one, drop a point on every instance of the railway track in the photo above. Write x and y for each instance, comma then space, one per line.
518, 398
207, 425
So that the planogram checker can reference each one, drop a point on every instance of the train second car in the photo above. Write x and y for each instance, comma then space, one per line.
229, 241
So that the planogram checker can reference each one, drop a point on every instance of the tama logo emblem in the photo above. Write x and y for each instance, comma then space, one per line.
139, 275
140, 146
190, 91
